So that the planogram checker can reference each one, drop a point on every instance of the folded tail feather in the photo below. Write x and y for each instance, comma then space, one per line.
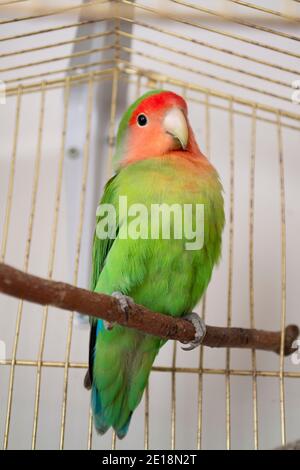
99, 422
121, 371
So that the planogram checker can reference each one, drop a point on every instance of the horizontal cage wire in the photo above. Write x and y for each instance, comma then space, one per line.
68, 71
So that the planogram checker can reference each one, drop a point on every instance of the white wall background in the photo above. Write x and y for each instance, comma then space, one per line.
267, 246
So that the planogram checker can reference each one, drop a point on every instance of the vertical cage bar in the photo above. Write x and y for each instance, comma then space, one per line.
113, 441
207, 125
114, 96
147, 392
200, 384
78, 248
146, 425
203, 311
283, 279
26, 262
111, 146
230, 273
113, 107
111, 135
11, 180
90, 430
251, 271
173, 398
138, 87
51, 260
174, 359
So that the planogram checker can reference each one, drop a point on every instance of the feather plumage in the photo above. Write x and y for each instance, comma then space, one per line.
157, 273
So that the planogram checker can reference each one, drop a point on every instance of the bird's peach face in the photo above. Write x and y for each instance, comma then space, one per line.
157, 126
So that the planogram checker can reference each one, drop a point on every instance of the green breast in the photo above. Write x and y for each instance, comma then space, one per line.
162, 273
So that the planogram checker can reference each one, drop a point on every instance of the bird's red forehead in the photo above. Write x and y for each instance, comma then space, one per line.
158, 102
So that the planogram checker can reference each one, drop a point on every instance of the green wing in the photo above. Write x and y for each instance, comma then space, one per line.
101, 247
100, 251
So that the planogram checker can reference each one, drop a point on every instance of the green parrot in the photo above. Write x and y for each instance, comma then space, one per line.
158, 162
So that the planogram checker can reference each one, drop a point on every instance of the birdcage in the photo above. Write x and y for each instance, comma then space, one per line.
68, 71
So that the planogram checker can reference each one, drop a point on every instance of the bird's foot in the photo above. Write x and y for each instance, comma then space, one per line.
108, 325
125, 303
200, 329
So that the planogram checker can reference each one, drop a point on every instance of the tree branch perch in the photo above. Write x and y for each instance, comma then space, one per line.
35, 289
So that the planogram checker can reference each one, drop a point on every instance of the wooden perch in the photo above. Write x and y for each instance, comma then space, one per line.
64, 296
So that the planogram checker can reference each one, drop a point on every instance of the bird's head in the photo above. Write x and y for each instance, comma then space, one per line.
154, 125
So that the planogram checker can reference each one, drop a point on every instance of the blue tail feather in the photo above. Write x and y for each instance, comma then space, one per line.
100, 424
98, 415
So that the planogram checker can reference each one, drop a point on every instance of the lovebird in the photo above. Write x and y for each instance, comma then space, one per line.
158, 164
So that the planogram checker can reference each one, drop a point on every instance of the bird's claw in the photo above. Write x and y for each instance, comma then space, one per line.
125, 303
108, 325
200, 329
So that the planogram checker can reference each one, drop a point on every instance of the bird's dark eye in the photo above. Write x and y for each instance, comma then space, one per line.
142, 120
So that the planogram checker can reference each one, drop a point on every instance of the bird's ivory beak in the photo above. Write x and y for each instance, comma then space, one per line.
175, 124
